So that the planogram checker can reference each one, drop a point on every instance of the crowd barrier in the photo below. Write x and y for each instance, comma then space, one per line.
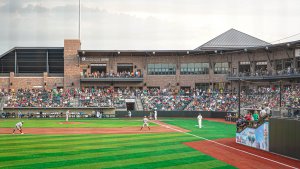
205, 114
107, 112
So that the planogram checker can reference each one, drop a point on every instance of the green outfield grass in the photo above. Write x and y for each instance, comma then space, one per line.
56, 123
210, 129
164, 150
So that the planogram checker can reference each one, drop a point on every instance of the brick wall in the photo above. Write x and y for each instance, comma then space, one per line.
71, 63
13, 82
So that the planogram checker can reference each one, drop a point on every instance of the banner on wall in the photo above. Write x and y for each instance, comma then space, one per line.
257, 138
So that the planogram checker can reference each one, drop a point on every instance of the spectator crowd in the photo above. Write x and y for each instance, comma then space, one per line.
151, 98
123, 74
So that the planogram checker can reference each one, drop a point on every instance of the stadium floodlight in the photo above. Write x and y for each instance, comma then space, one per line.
245, 50
119, 52
216, 51
288, 44
83, 52
187, 52
267, 48
153, 53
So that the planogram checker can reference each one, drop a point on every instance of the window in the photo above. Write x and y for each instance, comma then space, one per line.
261, 67
124, 67
221, 68
298, 63
244, 68
183, 69
194, 68
161, 69
151, 69
283, 64
98, 67
202, 86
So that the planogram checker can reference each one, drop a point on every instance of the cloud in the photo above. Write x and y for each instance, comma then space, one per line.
142, 24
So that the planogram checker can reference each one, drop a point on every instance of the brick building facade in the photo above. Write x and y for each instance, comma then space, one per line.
206, 68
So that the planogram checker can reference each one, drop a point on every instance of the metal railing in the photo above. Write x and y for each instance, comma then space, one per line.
275, 74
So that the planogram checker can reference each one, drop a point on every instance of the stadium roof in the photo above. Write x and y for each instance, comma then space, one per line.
32, 48
232, 39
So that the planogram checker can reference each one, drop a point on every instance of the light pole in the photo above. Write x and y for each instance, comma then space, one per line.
239, 98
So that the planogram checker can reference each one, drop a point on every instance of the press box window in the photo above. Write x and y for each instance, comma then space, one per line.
194, 68
221, 68
161, 69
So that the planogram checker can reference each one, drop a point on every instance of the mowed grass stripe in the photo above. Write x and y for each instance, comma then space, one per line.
11, 137
55, 139
98, 148
167, 163
138, 161
97, 157
102, 151
32, 139
84, 142
203, 165
93, 147
15, 138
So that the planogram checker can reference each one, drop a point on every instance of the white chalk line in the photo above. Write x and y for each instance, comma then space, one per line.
224, 145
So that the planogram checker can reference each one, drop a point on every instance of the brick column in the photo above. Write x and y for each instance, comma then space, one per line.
11, 80
71, 67
45, 84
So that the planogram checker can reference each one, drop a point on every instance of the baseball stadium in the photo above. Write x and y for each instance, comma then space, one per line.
231, 102
85, 108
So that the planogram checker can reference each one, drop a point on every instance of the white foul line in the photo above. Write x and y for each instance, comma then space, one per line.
227, 146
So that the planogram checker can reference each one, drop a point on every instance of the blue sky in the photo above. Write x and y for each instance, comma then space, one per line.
143, 24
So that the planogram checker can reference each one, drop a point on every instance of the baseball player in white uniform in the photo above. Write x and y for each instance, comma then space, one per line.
18, 127
145, 121
199, 121
129, 114
155, 114
67, 115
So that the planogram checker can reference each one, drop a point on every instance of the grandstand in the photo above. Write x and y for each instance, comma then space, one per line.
146, 79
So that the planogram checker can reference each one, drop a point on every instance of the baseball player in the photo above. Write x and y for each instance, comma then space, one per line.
199, 120
67, 115
145, 120
155, 114
19, 127
129, 114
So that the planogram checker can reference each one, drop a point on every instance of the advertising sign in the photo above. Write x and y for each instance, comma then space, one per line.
257, 138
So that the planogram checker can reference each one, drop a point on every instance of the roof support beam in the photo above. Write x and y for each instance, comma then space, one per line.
269, 59
15, 62
47, 61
